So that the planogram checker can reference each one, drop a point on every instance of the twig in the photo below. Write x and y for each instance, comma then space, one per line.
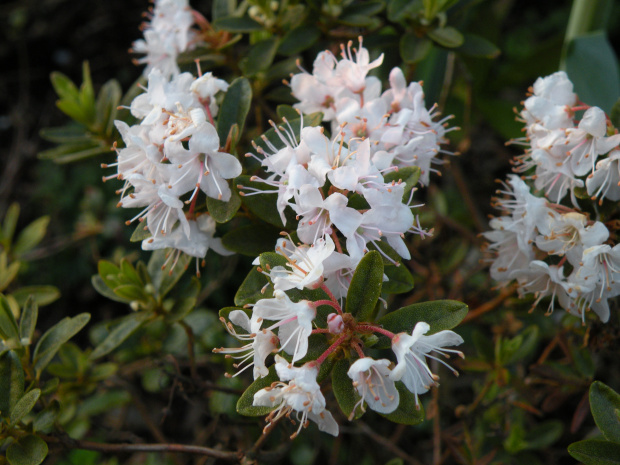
128, 448
393, 448
491, 305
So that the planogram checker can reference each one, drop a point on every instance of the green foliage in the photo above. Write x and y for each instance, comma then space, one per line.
439, 314
92, 130
234, 109
27, 450
365, 287
605, 406
409, 410
344, 392
245, 404
11, 382
595, 452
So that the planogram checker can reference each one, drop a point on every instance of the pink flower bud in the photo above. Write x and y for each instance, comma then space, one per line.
335, 323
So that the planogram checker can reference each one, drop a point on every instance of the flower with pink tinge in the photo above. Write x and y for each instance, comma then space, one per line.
371, 380
411, 352
302, 394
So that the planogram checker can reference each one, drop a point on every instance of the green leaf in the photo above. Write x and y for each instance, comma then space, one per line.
185, 304
525, 343
365, 287
125, 328
109, 272
222, 9
399, 281
414, 49
262, 205
234, 108
250, 290
8, 325
102, 288
223, 212
447, 37
367, 8
9, 224
235, 24
24, 405
299, 39
259, 57
55, 337
68, 153
344, 391
604, 403
31, 235
592, 66
27, 450
64, 87
439, 314
614, 115
131, 292
130, 274
399, 9
245, 403
44, 421
479, 47
595, 452
106, 108
164, 279
11, 382
541, 436
42, 295
72, 134
251, 239
9, 273
140, 233
409, 175
407, 413
28, 320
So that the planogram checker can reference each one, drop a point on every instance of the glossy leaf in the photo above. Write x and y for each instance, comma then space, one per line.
414, 49
592, 66
8, 324
119, 334
345, 393
236, 24
24, 405
407, 412
221, 211
102, 288
400, 280
31, 235
260, 56
250, 290
299, 39
479, 47
234, 108
28, 320
261, 205
27, 450
55, 337
439, 314
11, 382
251, 239
605, 406
245, 403
595, 452
42, 295
447, 37
365, 287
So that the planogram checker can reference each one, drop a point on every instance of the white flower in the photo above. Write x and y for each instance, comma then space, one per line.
262, 343
411, 352
305, 264
605, 181
293, 320
371, 379
301, 394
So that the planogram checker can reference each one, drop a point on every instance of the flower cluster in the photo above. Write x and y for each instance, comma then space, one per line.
174, 152
167, 35
400, 129
550, 249
338, 189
